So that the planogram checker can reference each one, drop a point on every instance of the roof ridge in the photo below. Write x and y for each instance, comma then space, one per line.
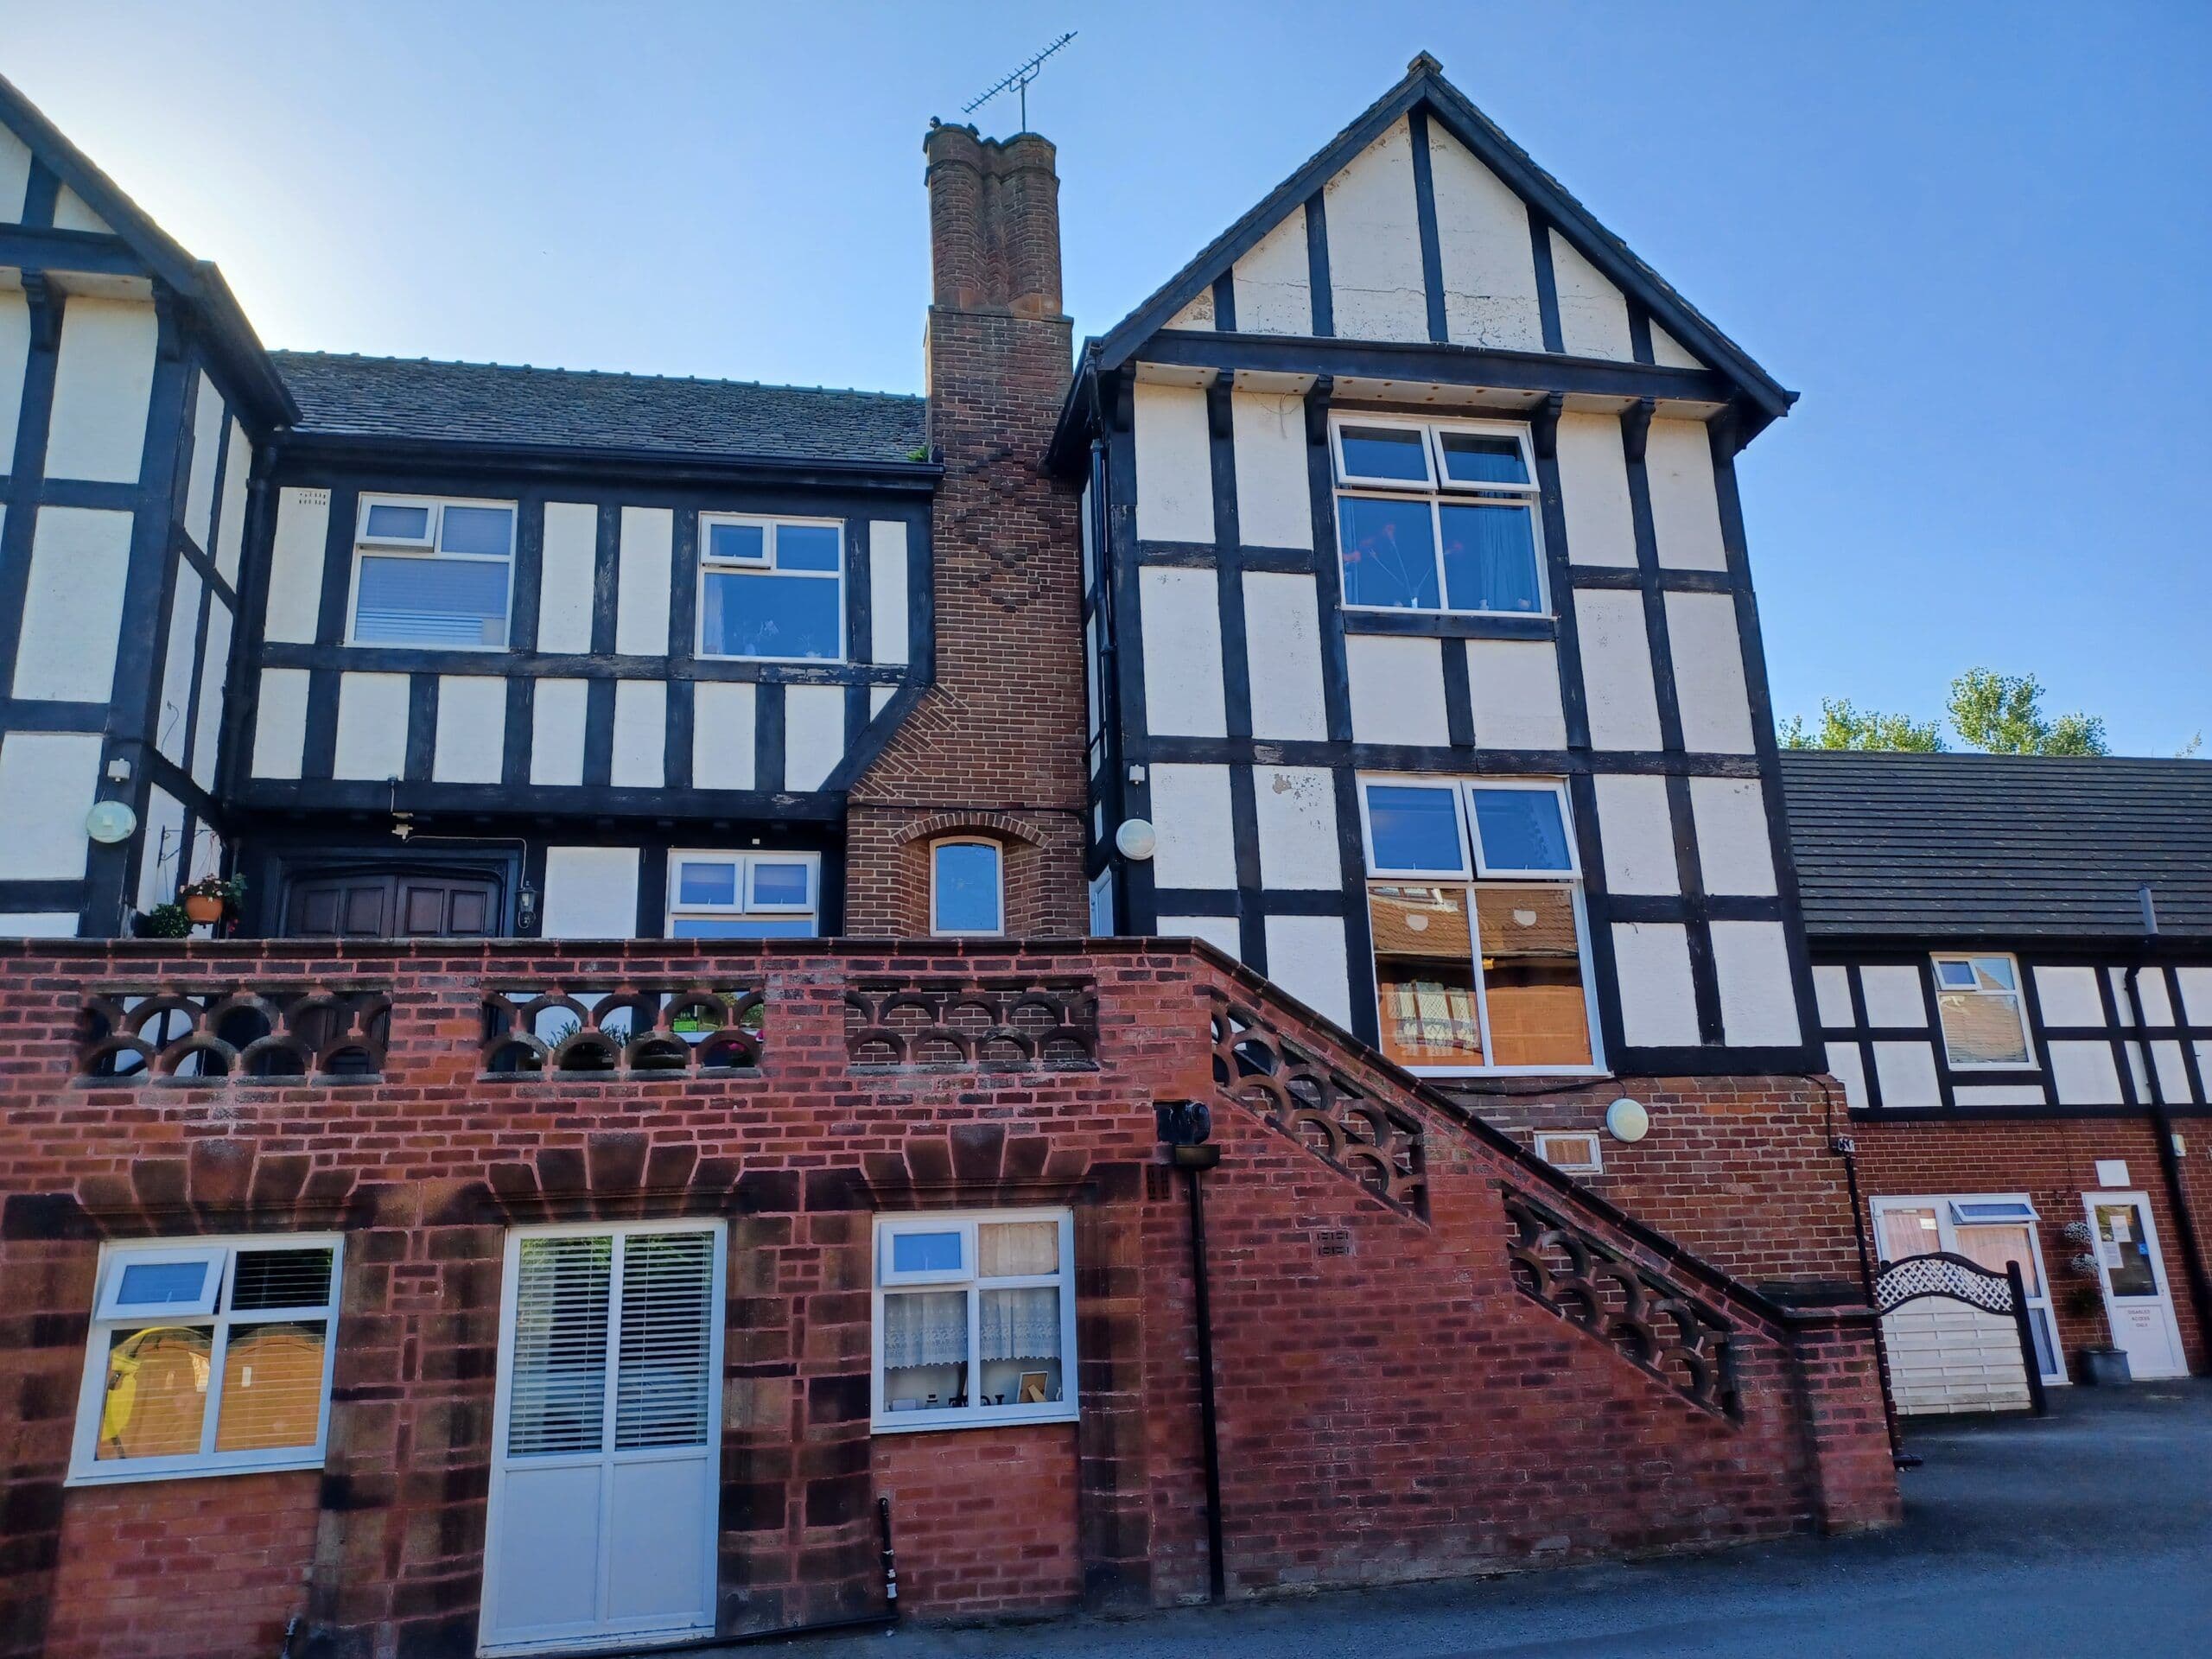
290, 354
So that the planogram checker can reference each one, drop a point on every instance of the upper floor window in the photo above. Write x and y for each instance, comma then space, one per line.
1437, 516
427, 572
208, 1356
1984, 1022
1474, 898
772, 589
744, 895
967, 887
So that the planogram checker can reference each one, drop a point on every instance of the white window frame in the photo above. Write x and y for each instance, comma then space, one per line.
1548, 1140
768, 565
998, 853
1469, 876
87, 1469
392, 547
2018, 993
1946, 1239
745, 905
1437, 489
883, 1420
1557, 790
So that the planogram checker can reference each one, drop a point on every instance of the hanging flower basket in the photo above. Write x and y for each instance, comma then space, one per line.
212, 898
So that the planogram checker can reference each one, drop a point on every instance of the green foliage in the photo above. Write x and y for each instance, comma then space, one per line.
1844, 726
163, 922
2003, 713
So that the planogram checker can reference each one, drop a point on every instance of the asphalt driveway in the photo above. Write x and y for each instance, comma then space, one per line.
2088, 1533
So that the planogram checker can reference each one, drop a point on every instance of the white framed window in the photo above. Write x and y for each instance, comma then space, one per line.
1573, 1151
432, 572
772, 589
1985, 1018
1987, 1228
722, 895
973, 1319
1481, 943
967, 887
208, 1357
1438, 516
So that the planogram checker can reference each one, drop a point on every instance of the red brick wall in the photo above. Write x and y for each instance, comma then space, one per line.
1391, 1409
2053, 1161
138, 1560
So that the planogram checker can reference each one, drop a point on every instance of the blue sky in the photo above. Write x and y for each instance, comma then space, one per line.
1977, 237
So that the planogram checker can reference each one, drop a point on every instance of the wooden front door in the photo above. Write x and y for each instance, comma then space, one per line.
393, 904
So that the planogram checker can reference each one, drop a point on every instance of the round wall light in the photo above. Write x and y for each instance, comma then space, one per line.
1626, 1120
109, 822
1136, 839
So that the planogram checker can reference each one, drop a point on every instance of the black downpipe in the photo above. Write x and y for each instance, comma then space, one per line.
2169, 1170
890, 1561
1847, 1149
1209, 1432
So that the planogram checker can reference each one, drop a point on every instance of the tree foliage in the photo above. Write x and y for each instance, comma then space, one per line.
2001, 713
1843, 726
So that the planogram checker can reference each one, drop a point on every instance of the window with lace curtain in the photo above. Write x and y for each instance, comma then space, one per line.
975, 1319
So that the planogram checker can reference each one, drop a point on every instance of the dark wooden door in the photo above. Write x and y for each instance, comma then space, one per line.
393, 904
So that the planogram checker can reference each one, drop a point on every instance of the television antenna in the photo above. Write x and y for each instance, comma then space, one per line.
1018, 82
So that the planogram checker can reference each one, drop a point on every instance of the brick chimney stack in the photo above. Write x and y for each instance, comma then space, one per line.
995, 747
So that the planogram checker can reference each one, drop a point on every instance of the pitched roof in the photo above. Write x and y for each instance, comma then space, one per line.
342, 396
1929, 846
1425, 86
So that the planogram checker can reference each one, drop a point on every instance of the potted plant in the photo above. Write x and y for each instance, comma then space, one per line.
162, 922
212, 898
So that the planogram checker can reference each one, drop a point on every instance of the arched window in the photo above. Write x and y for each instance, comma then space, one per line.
967, 887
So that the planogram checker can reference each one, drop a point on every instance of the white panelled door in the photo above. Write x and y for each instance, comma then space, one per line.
606, 1453
2139, 1303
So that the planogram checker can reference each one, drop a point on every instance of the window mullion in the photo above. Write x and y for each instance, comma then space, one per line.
975, 1383
1482, 980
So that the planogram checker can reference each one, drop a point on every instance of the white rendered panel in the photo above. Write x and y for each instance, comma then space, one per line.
1832, 994
73, 607
1197, 313
71, 213
1272, 281
723, 734
1907, 1074
38, 924
1894, 994
1181, 613
1274, 502
1617, 686
2195, 994
1734, 847
160, 849
1845, 1064
879, 699
887, 590
814, 735
1397, 689
1593, 491
1482, 238
591, 893
214, 675
15, 347
2069, 996
641, 603
296, 555
1306, 957
103, 384
641, 734
1593, 315
1759, 1002
1513, 687
472, 729
2150, 990
566, 570
205, 856
1998, 1094
206, 450
1651, 963
1191, 811
1636, 830
280, 723
1295, 809
371, 727
180, 658
556, 731
229, 519
2083, 1074
1174, 464
15, 177
1220, 931
1685, 506
1668, 353
48, 781
1375, 273
1709, 684
1282, 641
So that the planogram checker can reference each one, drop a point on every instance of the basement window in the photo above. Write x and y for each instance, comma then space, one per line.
772, 589
1571, 1151
973, 1319
1438, 516
432, 573
208, 1357
1985, 1018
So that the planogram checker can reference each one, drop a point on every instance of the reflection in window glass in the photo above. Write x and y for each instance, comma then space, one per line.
914, 1252
1384, 452
1414, 829
1490, 558
391, 522
806, 547
1521, 829
779, 884
771, 616
155, 1284
1532, 976
1389, 550
1978, 1000
157, 1395
706, 884
2125, 1250
272, 1387
1425, 975
965, 888
746, 542
742, 927
1482, 458
488, 531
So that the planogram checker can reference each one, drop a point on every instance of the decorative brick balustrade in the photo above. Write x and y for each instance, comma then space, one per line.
192, 1034
625, 1029
998, 1026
